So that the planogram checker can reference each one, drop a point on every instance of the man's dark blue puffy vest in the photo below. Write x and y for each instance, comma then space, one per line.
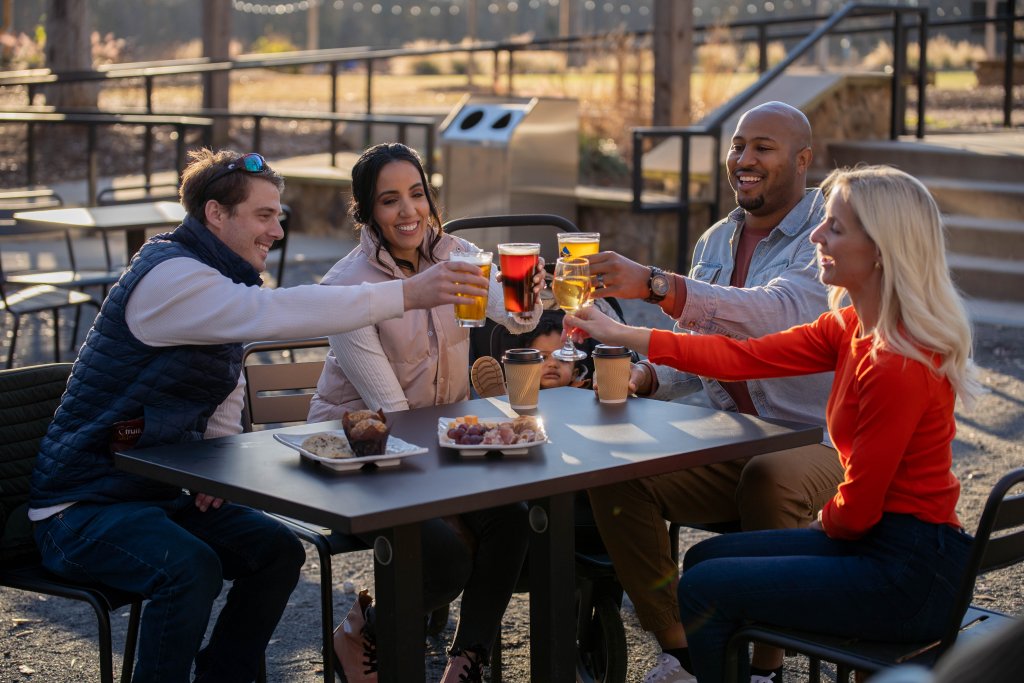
117, 378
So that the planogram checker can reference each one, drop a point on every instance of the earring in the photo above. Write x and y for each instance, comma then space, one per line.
878, 266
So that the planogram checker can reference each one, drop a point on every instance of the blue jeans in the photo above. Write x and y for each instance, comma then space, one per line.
896, 583
178, 557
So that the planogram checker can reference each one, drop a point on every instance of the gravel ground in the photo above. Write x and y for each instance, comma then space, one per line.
50, 639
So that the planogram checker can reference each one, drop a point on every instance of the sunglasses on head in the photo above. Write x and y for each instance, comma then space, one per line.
250, 163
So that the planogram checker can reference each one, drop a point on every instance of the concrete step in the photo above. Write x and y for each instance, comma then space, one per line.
1005, 313
988, 278
925, 159
990, 237
982, 198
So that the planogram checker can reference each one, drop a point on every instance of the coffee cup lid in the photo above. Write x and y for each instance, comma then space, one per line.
522, 356
610, 351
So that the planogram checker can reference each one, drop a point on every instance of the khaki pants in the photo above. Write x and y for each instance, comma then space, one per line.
772, 491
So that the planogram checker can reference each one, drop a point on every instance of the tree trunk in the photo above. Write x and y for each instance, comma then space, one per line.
68, 49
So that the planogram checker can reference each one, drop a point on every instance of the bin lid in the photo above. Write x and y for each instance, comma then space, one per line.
485, 123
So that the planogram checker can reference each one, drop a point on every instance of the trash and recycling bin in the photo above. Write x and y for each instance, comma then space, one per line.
511, 155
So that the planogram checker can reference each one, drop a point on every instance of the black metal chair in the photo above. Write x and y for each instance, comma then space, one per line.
28, 398
998, 544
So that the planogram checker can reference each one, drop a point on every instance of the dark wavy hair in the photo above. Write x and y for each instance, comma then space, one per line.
364, 190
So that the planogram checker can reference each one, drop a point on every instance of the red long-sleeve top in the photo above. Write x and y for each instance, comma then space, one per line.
890, 418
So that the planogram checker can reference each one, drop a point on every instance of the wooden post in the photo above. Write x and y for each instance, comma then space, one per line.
216, 85
313, 26
673, 61
471, 14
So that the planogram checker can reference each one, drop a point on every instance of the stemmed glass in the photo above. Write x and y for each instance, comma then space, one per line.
572, 290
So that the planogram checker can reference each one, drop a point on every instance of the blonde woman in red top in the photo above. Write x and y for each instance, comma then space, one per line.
887, 552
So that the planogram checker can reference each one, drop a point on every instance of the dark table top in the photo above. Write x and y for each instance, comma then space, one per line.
591, 444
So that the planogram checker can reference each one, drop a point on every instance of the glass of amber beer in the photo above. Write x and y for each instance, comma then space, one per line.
578, 244
518, 264
473, 313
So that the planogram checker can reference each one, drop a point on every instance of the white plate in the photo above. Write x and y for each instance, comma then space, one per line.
483, 449
394, 452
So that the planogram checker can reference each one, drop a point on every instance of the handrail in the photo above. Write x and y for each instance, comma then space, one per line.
93, 120
712, 125
204, 118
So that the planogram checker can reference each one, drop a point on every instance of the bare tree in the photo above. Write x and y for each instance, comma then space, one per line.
68, 49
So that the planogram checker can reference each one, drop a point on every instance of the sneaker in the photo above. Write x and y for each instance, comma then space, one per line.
667, 669
464, 667
355, 649
488, 379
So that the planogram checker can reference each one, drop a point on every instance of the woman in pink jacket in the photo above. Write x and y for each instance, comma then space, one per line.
420, 359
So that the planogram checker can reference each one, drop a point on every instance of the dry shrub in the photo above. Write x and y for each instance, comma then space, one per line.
943, 53
450, 63
21, 51
716, 60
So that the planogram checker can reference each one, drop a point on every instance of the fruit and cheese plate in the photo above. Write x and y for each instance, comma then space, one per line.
471, 435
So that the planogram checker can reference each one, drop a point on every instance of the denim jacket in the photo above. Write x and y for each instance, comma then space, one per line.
782, 290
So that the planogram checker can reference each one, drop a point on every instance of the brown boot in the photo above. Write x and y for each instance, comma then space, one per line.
464, 666
355, 651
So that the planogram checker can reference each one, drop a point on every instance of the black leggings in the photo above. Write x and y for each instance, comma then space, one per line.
486, 578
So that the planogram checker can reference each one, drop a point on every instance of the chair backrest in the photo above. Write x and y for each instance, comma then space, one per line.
998, 543
278, 393
135, 194
28, 399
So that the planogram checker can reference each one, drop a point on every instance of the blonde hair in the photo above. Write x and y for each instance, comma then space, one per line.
921, 311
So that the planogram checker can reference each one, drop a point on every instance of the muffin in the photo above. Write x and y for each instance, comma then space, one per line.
367, 431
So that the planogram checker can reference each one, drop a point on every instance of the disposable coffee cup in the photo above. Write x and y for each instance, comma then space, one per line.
523, 370
611, 372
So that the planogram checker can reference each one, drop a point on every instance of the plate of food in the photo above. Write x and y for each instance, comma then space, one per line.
471, 435
332, 449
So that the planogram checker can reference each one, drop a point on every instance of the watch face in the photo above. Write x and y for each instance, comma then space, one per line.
659, 285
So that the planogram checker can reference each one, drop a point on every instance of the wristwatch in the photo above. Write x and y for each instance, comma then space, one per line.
659, 285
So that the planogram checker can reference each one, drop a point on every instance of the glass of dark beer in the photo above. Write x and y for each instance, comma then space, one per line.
518, 264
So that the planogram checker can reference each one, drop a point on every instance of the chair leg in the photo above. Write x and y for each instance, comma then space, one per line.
75, 328
326, 608
814, 670
56, 335
106, 648
14, 338
131, 641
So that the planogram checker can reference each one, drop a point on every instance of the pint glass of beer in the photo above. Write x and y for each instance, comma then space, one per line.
578, 244
518, 264
473, 313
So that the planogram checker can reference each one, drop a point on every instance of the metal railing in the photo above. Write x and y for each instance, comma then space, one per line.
712, 125
93, 121
203, 118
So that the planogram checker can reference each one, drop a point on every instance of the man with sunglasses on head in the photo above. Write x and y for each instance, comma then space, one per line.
162, 365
